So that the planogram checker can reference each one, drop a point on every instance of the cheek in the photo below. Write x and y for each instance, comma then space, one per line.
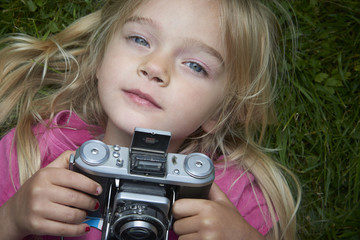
103, 74
207, 97
108, 75
111, 63
198, 104
106, 88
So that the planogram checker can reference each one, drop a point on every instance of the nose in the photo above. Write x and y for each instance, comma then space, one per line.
156, 67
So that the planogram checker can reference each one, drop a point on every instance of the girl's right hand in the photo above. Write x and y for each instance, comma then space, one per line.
52, 202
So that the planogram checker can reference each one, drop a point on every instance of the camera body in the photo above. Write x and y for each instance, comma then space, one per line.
141, 183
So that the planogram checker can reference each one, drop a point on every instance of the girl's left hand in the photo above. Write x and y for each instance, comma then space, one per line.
216, 218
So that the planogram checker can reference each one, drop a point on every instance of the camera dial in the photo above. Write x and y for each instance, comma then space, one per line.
94, 152
198, 165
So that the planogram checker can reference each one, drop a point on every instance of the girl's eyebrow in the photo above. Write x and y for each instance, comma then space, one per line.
142, 20
189, 41
206, 48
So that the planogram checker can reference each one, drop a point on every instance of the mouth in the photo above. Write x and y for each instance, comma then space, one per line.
141, 98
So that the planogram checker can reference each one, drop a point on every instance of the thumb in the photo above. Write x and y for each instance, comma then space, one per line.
216, 194
62, 161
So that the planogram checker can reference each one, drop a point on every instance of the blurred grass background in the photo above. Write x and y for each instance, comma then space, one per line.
318, 133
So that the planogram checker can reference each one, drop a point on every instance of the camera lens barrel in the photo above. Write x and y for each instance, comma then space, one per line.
138, 230
151, 225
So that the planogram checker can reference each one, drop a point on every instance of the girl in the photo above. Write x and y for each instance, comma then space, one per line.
201, 69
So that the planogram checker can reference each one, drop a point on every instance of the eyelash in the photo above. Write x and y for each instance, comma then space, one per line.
201, 71
191, 65
136, 38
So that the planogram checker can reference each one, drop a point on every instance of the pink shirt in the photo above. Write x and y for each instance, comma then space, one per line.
69, 132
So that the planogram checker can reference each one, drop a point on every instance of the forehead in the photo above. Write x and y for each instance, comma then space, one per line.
188, 19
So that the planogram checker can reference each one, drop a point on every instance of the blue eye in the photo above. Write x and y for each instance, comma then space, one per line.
139, 40
196, 67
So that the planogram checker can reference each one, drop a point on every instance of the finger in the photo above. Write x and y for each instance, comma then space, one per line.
70, 179
191, 236
62, 161
186, 225
187, 207
73, 198
60, 213
54, 228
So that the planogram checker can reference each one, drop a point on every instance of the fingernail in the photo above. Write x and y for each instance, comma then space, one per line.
97, 205
87, 229
98, 190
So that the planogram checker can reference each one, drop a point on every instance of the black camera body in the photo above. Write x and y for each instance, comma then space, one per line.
141, 183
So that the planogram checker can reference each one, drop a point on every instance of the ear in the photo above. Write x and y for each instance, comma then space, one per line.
209, 125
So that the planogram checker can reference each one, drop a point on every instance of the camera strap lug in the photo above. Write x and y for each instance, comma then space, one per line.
117, 184
71, 162
171, 219
108, 215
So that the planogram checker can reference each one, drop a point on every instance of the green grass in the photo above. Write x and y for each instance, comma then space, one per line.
41, 17
318, 132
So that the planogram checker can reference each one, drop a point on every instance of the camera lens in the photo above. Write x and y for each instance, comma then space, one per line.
139, 226
140, 216
138, 230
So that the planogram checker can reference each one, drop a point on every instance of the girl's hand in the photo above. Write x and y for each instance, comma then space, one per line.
52, 202
216, 218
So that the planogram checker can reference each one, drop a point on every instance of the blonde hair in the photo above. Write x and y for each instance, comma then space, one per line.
66, 64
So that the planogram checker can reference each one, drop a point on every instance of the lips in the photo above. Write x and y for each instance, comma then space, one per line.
141, 98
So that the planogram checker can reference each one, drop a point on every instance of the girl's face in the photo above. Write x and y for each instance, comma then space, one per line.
163, 70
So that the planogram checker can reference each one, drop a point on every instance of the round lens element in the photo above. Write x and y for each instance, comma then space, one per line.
138, 230
135, 220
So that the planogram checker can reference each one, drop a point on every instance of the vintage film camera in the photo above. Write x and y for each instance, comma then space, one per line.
141, 183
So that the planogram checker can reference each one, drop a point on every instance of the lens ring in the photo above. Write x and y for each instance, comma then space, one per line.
117, 227
138, 230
